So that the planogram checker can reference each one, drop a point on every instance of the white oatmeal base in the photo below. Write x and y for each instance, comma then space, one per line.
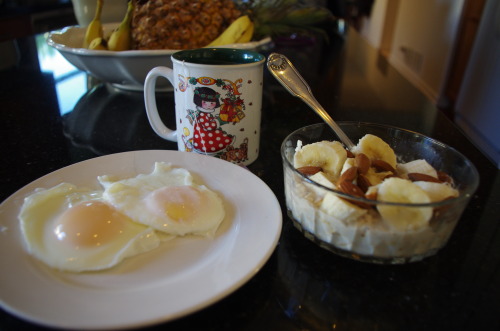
367, 234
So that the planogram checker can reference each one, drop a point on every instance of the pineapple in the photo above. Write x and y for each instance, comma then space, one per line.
187, 24
180, 24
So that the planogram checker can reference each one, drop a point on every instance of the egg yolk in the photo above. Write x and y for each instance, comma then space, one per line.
89, 224
179, 203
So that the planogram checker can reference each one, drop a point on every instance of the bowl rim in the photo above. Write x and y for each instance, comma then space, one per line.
463, 195
128, 53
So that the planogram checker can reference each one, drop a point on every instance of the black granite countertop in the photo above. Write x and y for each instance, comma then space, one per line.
11, 7
47, 125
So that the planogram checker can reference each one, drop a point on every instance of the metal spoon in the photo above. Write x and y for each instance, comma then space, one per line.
284, 71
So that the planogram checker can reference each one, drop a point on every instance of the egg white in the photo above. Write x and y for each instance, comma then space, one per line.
167, 200
40, 218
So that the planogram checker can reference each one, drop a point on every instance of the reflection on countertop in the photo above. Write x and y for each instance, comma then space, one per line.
108, 120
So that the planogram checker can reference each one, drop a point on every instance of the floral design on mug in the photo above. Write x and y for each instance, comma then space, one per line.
183, 84
208, 137
232, 109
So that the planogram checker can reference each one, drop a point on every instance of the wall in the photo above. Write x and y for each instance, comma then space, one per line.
372, 27
478, 103
418, 36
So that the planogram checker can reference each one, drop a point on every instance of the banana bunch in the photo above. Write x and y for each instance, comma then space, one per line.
120, 38
98, 44
240, 31
370, 170
94, 29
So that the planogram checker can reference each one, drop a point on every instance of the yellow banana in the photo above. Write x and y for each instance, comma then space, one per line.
98, 44
247, 35
241, 30
120, 39
403, 218
376, 149
94, 30
328, 155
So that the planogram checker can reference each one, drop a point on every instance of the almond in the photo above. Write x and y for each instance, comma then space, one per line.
349, 154
390, 175
351, 189
372, 195
363, 182
309, 170
417, 177
354, 190
381, 165
348, 175
363, 163
444, 177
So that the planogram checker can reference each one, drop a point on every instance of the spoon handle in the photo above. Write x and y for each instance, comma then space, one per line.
284, 71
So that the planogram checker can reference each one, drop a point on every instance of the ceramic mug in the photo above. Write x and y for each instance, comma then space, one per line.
218, 99
113, 11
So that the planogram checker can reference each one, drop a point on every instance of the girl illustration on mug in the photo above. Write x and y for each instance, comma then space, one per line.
208, 138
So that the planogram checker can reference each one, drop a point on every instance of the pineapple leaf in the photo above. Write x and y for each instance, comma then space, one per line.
282, 17
306, 16
277, 29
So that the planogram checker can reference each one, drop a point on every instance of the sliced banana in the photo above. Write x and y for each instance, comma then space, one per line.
372, 192
419, 166
321, 178
340, 209
403, 191
376, 149
349, 162
437, 191
377, 177
329, 155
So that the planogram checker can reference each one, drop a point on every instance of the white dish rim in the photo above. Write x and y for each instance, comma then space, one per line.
76, 29
67, 295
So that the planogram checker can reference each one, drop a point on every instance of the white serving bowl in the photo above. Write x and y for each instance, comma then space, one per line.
125, 69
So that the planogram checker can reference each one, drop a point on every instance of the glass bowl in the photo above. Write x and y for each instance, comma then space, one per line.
368, 237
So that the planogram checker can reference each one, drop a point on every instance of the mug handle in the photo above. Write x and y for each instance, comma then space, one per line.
150, 101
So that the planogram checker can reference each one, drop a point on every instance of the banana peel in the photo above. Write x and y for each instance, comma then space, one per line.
94, 29
240, 31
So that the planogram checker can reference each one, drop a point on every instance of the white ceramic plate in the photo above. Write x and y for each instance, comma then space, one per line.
182, 276
126, 69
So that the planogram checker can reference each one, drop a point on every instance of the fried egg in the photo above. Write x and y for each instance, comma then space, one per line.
75, 229
167, 200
